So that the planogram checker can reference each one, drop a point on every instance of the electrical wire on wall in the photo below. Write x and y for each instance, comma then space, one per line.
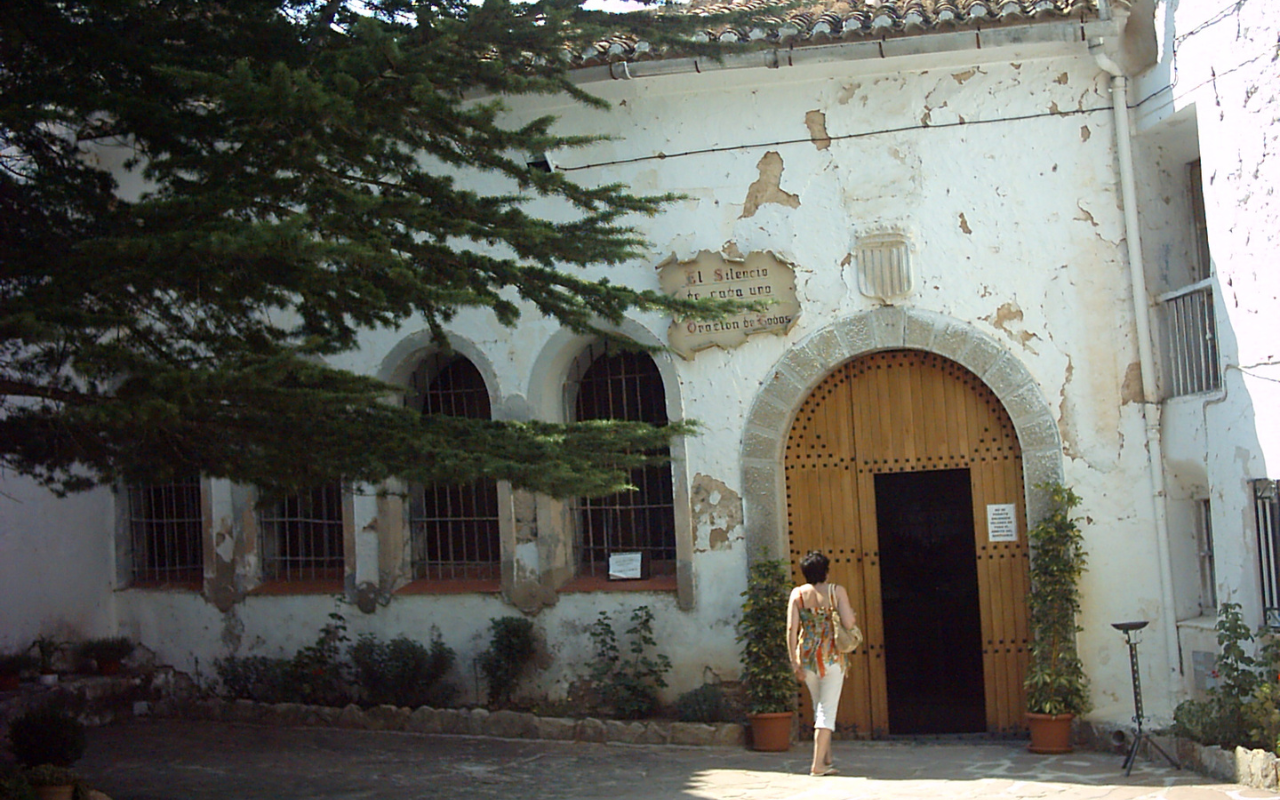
832, 138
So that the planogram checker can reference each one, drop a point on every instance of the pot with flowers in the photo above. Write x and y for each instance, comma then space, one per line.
767, 677
12, 665
107, 653
1057, 690
52, 782
47, 649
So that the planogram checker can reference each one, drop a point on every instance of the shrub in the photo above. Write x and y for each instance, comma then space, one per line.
47, 735
704, 704
510, 652
762, 631
630, 681
16, 663
13, 785
257, 678
316, 675
1055, 682
1242, 708
47, 650
402, 672
50, 775
111, 648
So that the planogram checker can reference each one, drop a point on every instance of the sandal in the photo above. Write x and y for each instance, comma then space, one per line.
825, 772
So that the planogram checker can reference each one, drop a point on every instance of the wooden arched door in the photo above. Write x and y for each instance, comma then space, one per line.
904, 457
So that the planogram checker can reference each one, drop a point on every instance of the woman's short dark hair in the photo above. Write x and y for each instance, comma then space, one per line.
814, 566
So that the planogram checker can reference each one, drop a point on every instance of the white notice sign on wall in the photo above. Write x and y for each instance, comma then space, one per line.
625, 566
1002, 522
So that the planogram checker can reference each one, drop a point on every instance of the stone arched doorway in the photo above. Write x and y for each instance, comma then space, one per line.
1000, 383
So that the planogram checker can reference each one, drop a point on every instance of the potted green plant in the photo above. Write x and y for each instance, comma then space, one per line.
12, 665
51, 782
768, 680
107, 653
47, 649
48, 734
1057, 690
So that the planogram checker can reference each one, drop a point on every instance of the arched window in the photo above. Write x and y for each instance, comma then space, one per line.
612, 383
454, 528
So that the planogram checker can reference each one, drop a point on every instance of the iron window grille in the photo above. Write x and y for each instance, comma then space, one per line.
1189, 328
454, 527
302, 536
608, 382
166, 532
1266, 508
1204, 547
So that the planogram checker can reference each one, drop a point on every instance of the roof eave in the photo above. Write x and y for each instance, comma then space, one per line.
1040, 39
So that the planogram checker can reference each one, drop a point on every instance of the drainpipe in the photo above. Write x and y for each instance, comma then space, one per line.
1142, 318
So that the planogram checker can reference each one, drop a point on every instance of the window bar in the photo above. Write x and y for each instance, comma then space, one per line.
1200, 342
1267, 511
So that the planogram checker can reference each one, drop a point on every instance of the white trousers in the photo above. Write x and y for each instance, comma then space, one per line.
824, 691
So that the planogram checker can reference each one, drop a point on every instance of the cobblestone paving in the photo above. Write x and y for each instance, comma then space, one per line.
176, 760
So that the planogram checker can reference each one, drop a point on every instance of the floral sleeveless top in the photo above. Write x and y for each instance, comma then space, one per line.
818, 639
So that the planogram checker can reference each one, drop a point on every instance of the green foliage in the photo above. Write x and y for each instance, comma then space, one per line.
301, 164
766, 667
1243, 707
111, 648
704, 704
17, 663
631, 679
47, 649
316, 675
1055, 682
48, 734
258, 678
13, 784
51, 775
402, 672
511, 651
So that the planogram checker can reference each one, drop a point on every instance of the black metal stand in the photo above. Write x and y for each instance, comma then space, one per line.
1140, 736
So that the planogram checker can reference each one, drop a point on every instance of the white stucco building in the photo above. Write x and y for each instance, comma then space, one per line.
1027, 240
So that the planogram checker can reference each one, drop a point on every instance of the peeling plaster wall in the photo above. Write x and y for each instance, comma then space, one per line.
1002, 178
56, 565
1219, 74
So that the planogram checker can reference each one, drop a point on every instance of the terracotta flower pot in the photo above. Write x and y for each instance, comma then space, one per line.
771, 732
1050, 733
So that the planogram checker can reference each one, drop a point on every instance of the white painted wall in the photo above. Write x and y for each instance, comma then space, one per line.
56, 564
1217, 89
1003, 175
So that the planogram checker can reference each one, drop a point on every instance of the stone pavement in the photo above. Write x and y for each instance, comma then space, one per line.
198, 760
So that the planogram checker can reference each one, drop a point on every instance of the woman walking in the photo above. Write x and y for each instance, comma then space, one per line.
811, 641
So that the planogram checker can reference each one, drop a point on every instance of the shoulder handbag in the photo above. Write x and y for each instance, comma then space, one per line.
847, 639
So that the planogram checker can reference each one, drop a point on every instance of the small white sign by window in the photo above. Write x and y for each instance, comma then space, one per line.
1002, 522
625, 566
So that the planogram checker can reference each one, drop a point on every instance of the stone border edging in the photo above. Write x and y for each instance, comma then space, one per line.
1257, 769
475, 722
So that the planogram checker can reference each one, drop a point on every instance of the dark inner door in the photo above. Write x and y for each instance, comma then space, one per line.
929, 587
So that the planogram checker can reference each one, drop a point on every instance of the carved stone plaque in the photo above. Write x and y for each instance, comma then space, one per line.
757, 277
